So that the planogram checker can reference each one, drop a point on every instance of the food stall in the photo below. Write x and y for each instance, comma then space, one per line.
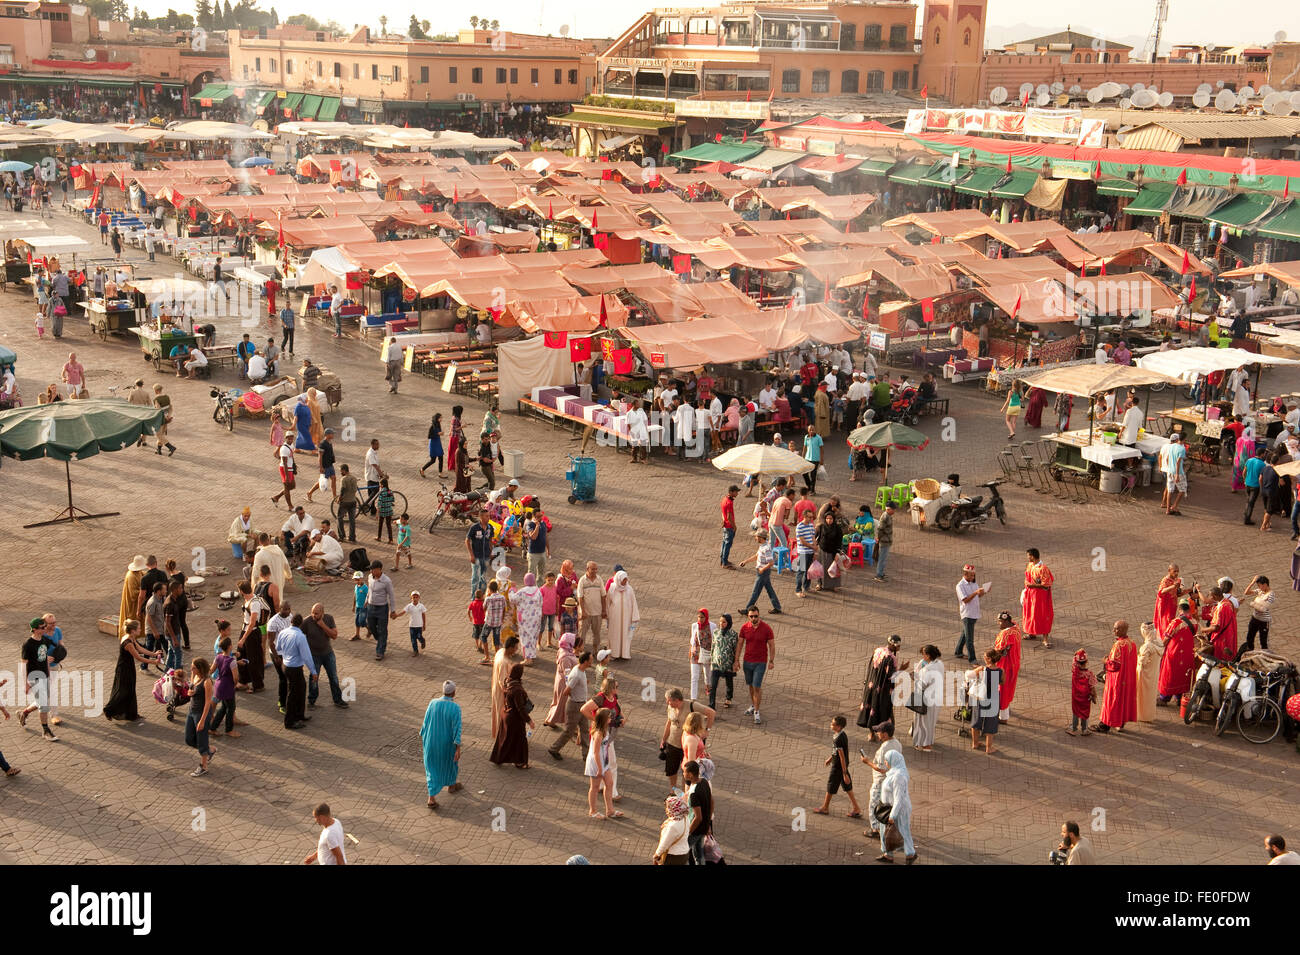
109, 315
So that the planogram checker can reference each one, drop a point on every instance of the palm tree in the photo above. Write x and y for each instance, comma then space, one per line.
383, 26
496, 24
425, 25
473, 23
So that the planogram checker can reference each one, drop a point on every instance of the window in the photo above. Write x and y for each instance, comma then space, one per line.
900, 79
899, 39
700, 25
790, 81
424, 74
257, 64
271, 65
849, 81
320, 68
356, 71
374, 71
338, 70
1087, 58
848, 34
1078, 57
936, 36
557, 77
245, 71
871, 36
965, 38
573, 77
476, 75
501, 74
288, 67
514, 75
821, 81
875, 81
451, 74
397, 74
533, 76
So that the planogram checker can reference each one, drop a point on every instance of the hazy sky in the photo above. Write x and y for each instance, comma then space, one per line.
1190, 21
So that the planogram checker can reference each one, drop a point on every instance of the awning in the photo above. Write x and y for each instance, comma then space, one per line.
981, 181
265, 98
310, 104
1117, 187
291, 101
1151, 200
910, 175
216, 92
1084, 381
719, 152
876, 167
1018, 186
1243, 211
1284, 225
1196, 202
770, 159
329, 108
943, 176
619, 141
1187, 363
616, 122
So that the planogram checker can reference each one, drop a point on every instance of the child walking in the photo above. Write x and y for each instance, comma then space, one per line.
1083, 693
384, 507
40, 325
224, 669
839, 778
548, 610
414, 612
403, 541
494, 612
360, 591
475, 613
569, 616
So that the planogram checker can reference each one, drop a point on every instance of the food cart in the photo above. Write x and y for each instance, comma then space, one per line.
157, 347
109, 315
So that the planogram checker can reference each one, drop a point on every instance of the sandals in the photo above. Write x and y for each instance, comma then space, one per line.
616, 814
432, 803
822, 812
854, 815
595, 815
12, 771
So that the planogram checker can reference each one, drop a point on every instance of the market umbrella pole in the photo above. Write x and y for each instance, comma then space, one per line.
71, 513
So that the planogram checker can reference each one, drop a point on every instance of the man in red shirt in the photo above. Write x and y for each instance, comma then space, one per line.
103, 227
757, 649
729, 525
804, 505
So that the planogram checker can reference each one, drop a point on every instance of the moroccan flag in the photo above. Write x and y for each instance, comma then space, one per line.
1186, 266
1015, 309
744, 136
1103, 267
925, 91
593, 220
1191, 290
622, 361
556, 339
1008, 162
717, 137
1286, 188
604, 314
550, 209
681, 264
1182, 177
866, 307
455, 195
771, 93
927, 309
279, 226
746, 96
580, 349
1096, 173
1024, 100
936, 239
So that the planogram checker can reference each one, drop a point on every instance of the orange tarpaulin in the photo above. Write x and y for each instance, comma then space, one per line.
1287, 273
948, 224
1041, 301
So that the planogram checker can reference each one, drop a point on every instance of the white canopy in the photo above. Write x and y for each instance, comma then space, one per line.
326, 266
54, 244
210, 129
1189, 363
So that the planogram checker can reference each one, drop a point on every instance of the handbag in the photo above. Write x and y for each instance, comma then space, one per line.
893, 838
916, 702
528, 707
882, 812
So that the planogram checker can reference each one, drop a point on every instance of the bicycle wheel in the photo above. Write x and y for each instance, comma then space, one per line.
399, 504
230, 419
334, 510
1264, 722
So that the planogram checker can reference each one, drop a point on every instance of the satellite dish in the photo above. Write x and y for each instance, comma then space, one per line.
1125, 103
260, 126
1094, 95
1280, 36
32, 8
1042, 99
1204, 88
1271, 99
90, 53
1110, 89
1120, 136
1243, 98
1226, 101
1042, 88
1295, 100
1210, 48
1062, 101
1201, 99
1139, 87
1058, 88
1265, 90
1247, 91
998, 95
564, 29
1166, 99
1076, 90
853, 118
1145, 99
1218, 85
1025, 88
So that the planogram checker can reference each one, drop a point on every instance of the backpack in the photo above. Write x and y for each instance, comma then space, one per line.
358, 560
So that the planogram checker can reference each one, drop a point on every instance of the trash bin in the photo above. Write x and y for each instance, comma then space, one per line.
514, 463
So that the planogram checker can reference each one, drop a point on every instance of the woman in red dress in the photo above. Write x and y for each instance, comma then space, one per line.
1036, 601
1168, 591
1119, 704
1034, 410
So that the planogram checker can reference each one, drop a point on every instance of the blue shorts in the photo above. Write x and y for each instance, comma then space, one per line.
754, 674
361, 616
494, 633
328, 472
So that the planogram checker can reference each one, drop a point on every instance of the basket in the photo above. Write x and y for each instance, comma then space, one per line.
927, 489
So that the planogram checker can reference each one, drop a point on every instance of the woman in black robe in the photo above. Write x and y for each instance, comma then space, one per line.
877, 690
511, 744
121, 703
462, 469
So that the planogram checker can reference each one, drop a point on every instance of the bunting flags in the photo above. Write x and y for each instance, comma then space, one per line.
1286, 188
556, 339
580, 349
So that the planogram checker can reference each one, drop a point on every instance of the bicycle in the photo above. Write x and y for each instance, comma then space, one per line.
1259, 720
369, 509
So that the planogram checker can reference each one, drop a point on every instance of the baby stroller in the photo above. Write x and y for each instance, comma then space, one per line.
906, 407
172, 689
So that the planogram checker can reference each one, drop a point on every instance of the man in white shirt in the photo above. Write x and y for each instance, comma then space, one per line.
374, 474
336, 310
767, 397
846, 361
1277, 852
1236, 377
1292, 418
1100, 356
869, 365
329, 849
856, 397
1261, 611
715, 423
297, 531
1241, 400
1133, 420
328, 549
684, 427
831, 381
256, 368
968, 604
197, 360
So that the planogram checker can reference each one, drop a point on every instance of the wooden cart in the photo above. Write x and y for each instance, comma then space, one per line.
158, 349
104, 319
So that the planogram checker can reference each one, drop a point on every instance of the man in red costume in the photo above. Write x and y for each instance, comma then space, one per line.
1178, 662
1119, 705
1036, 600
1008, 644
1221, 631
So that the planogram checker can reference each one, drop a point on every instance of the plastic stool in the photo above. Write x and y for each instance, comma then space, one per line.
857, 554
782, 555
902, 494
882, 497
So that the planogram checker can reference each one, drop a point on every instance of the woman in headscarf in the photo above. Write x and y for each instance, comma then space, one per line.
457, 439
1148, 673
1119, 703
302, 424
509, 625
566, 583
435, 446
624, 615
317, 426
460, 461
877, 690
830, 537
130, 593
929, 685
894, 793
1008, 646
1245, 451
511, 742
528, 615
673, 848
566, 658
731, 420
440, 735
1179, 659
1167, 593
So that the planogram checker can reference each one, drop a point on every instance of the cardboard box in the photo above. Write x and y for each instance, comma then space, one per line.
108, 625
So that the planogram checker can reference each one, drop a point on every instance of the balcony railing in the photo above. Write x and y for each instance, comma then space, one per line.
800, 44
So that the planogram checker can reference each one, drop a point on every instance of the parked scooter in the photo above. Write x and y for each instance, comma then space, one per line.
1205, 688
967, 512
1238, 694
461, 506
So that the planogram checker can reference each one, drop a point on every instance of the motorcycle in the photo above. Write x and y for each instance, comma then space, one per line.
1238, 694
1205, 689
967, 512
223, 410
459, 505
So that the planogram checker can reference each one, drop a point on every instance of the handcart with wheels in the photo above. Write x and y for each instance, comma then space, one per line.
582, 479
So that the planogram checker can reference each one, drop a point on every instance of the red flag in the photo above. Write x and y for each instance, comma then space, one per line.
1186, 266
927, 309
925, 91
1286, 188
1024, 100
936, 239
747, 96
622, 361
455, 195
1182, 177
556, 339
1096, 173
1103, 267
717, 137
580, 349
681, 264
1191, 290
771, 94
999, 250
604, 315
550, 209
1015, 310
279, 224
866, 307
1008, 162
744, 136
593, 220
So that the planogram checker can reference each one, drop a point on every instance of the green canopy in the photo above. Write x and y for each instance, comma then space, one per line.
1151, 200
265, 98
291, 101
876, 167
1018, 185
888, 434
1117, 187
719, 152
310, 104
329, 108
1243, 211
64, 430
911, 173
1284, 225
981, 181
942, 175
215, 92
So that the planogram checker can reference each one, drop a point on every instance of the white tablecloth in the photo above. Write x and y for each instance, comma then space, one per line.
1107, 454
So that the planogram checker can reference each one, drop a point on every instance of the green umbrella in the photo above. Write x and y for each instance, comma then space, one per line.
888, 435
64, 430
7, 357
